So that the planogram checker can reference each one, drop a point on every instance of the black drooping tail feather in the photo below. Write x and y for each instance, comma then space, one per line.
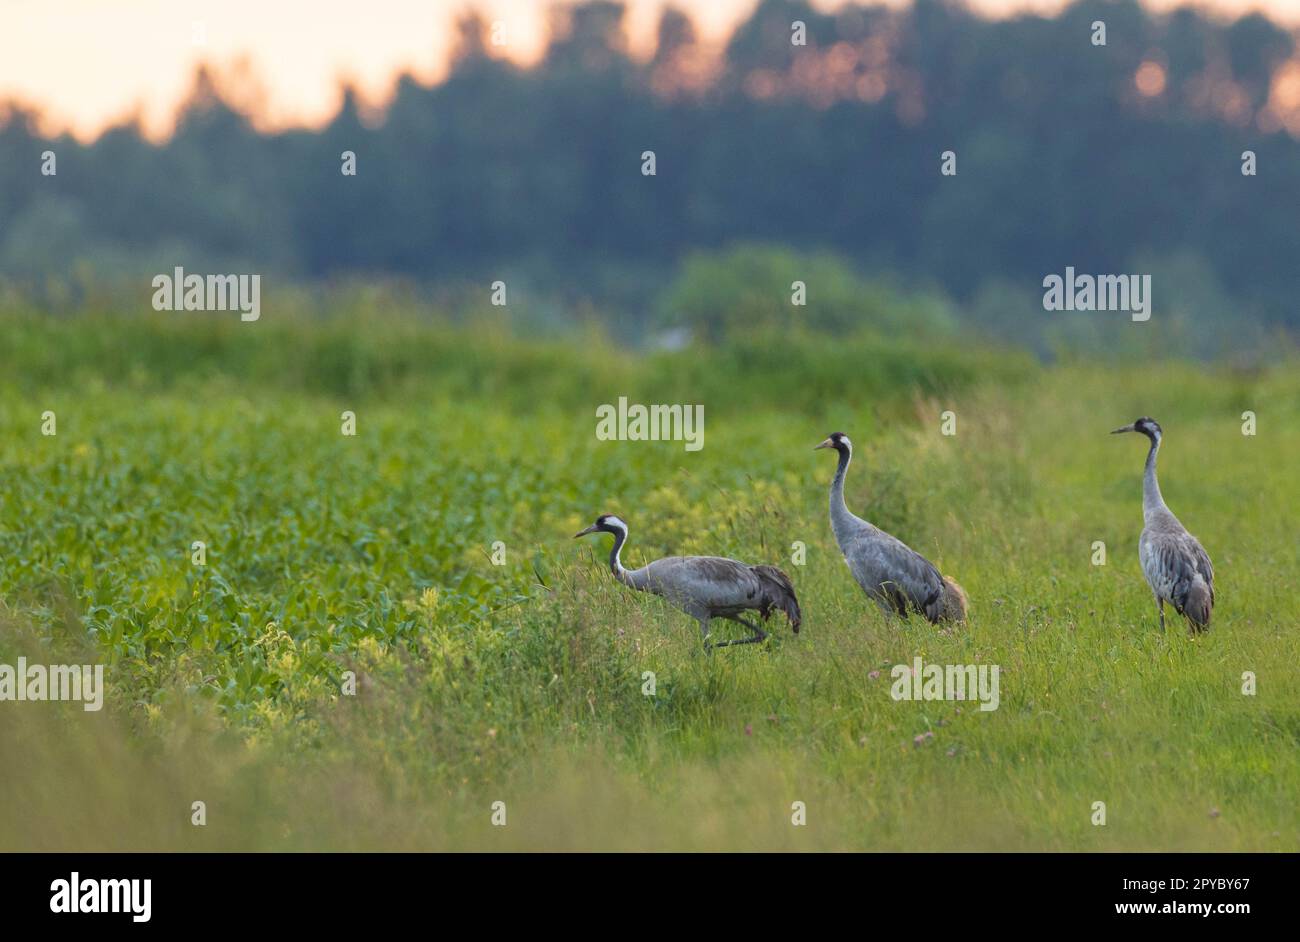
778, 592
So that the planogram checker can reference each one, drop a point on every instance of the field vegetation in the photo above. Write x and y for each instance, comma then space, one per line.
523, 682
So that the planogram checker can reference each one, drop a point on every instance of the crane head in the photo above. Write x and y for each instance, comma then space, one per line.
605, 523
837, 440
1145, 425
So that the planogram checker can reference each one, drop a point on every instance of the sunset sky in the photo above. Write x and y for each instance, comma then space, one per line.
89, 63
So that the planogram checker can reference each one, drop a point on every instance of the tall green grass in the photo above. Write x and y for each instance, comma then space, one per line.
523, 683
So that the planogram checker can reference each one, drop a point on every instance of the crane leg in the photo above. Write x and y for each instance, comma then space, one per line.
1160, 606
704, 635
758, 635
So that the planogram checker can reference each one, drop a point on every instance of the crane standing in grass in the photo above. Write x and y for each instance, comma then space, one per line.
705, 587
1175, 564
895, 576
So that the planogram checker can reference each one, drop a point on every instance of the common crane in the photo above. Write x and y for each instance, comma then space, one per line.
895, 576
1175, 564
705, 587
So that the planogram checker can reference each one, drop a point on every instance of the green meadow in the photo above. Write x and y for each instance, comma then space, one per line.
429, 556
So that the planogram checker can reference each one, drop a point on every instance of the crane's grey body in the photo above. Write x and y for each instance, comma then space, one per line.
894, 576
706, 587
1174, 562
891, 573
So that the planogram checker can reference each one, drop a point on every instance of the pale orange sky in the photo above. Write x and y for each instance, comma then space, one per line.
88, 63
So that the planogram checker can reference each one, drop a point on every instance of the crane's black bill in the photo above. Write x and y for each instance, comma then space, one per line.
591, 529
1128, 428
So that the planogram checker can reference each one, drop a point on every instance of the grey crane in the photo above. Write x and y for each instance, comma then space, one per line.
895, 576
705, 587
1174, 562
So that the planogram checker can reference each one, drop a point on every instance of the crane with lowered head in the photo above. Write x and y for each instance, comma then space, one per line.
705, 587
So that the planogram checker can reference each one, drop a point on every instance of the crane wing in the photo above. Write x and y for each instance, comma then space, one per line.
888, 568
1178, 569
1201, 561
700, 582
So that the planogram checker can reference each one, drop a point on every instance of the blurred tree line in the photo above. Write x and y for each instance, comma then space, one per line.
1117, 158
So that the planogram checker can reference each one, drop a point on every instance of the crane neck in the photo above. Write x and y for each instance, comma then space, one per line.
840, 510
1152, 502
616, 564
